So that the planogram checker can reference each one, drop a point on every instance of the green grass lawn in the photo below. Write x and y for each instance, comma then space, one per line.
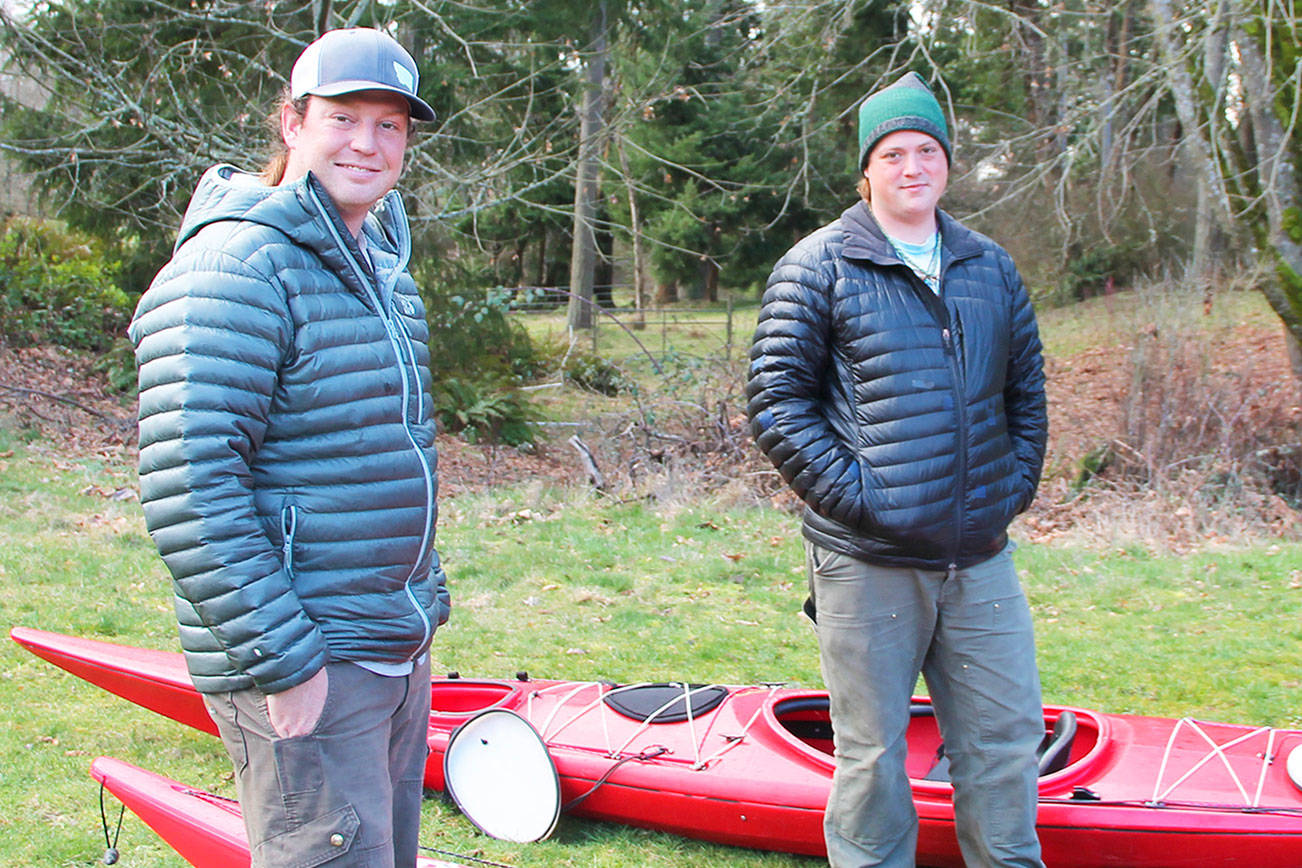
624, 336
567, 586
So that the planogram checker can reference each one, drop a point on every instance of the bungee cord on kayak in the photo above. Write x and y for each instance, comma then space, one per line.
648, 754
110, 847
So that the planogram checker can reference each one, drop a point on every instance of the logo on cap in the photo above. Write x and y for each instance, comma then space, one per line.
405, 78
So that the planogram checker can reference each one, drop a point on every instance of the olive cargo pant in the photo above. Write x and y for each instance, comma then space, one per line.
348, 793
969, 633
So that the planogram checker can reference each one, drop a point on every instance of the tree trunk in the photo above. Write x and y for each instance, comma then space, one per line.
321, 10
540, 267
1212, 209
709, 279
518, 250
1032, 57
635, 230
1117, 42
583, 258
1279, 188
603, 272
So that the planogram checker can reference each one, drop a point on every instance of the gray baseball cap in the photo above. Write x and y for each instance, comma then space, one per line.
358, 58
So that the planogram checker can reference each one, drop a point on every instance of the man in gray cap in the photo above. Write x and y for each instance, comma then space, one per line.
287, 464
897, 384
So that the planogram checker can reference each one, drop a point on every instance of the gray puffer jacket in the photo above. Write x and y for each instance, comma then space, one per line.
913, 426
287, 461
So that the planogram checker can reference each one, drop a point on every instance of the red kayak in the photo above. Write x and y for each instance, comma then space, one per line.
206, 830
751, 766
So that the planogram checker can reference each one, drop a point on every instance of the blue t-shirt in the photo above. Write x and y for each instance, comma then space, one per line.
923, 258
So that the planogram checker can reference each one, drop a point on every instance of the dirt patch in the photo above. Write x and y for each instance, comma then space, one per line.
1172, 443
59, 397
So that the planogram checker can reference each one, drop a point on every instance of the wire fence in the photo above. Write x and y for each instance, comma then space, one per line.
620, 329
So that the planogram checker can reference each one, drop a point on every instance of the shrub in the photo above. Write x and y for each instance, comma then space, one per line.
118, 365
483, 414
1091, 271
1214, 432
473, 339
56, 286
476, 355
592, 372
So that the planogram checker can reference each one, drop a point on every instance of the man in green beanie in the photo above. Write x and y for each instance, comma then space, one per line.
896, 382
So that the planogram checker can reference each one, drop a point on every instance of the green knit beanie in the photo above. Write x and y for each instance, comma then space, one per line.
908, 104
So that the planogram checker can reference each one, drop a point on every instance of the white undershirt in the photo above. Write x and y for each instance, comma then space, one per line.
391, 670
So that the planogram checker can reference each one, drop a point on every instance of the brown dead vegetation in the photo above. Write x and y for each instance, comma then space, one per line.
1170, 442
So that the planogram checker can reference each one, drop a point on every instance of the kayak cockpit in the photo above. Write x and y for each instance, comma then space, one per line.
1070, 737
462, 698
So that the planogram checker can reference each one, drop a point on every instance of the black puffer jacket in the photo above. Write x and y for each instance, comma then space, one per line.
913, 426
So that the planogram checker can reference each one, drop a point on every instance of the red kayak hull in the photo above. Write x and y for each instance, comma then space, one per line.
1136, 792
207, 830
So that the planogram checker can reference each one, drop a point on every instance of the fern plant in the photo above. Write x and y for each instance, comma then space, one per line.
483, 414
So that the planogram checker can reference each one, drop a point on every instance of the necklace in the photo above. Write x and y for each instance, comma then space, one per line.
922, 259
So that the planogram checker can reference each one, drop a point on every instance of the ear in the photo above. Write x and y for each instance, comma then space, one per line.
291, 122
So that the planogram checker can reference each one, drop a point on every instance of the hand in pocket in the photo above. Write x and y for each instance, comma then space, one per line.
297, 711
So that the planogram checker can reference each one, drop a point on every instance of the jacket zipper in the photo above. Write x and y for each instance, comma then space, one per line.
389, 328
952, 349
935, 300
960, 411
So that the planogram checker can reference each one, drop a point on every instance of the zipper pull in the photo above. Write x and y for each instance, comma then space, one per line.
288, 526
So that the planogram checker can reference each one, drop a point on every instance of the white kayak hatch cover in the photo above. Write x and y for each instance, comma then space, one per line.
499, 773
1295, 766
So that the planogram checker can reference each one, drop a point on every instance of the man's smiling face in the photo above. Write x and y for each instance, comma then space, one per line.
907, 172
354, 144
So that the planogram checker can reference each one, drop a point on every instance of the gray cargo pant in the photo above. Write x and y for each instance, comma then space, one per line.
348, 793
969, 633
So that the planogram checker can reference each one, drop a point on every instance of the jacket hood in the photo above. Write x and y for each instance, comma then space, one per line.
296, 209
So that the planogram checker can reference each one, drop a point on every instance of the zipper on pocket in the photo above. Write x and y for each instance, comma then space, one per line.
288, 527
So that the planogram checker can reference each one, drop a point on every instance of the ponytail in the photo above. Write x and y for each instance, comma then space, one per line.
273, 171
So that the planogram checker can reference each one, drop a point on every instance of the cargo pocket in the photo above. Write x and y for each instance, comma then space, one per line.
810, 606
300, 768
313, 843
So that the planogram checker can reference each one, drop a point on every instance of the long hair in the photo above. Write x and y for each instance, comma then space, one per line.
273, 171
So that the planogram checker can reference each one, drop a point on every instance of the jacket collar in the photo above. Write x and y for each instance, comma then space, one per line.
864, 238
225, 193
385, 228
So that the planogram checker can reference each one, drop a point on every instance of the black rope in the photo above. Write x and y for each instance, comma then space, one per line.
645, 755
110, 847
456, 855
